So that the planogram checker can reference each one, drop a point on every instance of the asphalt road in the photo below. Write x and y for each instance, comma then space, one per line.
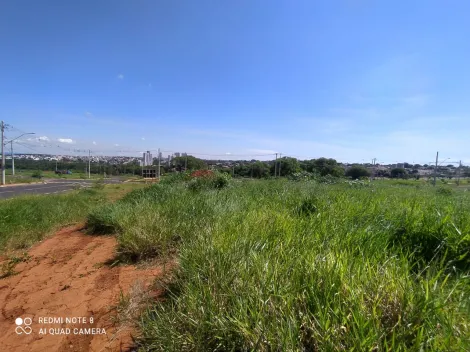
48, 187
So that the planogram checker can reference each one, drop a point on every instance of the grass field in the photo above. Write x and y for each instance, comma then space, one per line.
301, 266
27, 219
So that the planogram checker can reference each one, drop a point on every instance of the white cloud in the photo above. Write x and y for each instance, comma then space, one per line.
120, 76
143, 138
43, 138
65, 140
116, 145
94, 143
88, 114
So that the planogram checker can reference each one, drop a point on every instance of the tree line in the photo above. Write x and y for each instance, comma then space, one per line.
284, 166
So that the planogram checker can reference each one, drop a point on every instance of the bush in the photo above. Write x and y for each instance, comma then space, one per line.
398, 172
222, 180
357, 171
37, 174
207, 179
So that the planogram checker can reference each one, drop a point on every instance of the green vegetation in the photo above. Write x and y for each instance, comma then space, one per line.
398, 173
27, 219
277, 265
357, 171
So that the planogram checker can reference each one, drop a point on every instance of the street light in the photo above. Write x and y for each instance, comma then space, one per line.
11, 153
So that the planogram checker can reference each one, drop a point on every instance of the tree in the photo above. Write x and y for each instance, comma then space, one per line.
357, 171
259, 169
190, 162
288, 166
398, 172
326, 166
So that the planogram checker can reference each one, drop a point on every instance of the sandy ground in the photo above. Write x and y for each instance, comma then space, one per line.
65, 277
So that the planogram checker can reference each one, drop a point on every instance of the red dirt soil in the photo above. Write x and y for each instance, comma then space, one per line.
65, 276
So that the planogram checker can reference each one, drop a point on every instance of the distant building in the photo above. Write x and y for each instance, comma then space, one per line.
177, 155
147, 159
184, 154
401, 165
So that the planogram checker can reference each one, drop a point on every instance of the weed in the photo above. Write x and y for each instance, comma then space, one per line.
8, 267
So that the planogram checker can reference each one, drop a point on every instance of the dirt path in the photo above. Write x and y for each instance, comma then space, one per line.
65, 277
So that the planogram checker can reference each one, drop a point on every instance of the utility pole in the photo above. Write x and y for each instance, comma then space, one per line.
3, 153
89, 163
12, 159
435, 168
374, 168
186, 163
159, 164
275, 167
280, 163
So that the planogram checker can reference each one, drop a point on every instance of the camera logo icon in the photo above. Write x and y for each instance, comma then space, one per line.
23, 326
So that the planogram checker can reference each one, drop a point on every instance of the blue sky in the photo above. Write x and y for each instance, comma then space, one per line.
348, 79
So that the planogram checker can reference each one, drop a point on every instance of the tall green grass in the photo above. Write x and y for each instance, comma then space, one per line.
27, 219
300, 266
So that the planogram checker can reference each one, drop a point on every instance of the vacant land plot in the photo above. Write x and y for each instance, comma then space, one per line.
27, 219
301, 266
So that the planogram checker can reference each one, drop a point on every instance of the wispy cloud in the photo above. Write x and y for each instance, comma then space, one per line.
94, 143
43, 138
116, 145
65, 140
120, 76
88, 114
143, 138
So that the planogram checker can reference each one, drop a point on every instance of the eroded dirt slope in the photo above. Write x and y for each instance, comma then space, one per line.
65, 277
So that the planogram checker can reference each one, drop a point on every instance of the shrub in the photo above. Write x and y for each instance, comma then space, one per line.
357, 171
207, 179
398, 172
37, 174
221, 180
